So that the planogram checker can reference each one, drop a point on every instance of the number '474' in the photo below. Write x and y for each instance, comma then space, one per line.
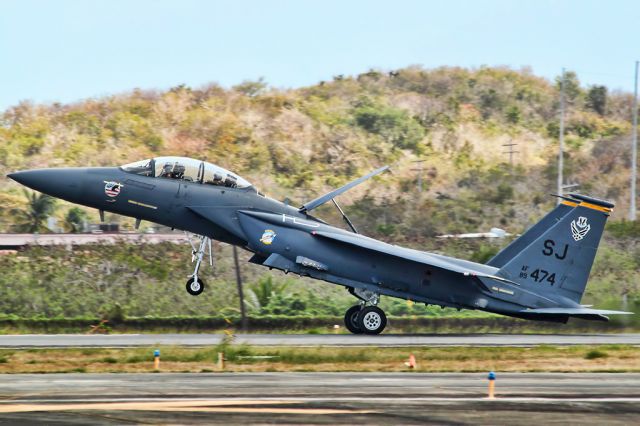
540, 275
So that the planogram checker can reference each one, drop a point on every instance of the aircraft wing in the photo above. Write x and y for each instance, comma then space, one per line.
409, 254
327, 197
574, 311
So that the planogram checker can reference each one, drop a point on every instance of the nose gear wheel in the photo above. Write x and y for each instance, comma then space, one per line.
195, 287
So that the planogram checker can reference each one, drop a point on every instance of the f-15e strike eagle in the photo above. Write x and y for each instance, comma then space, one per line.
539, 276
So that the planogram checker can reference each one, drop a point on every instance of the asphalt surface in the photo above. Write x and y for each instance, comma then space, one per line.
131, 340
318, 398
20, 240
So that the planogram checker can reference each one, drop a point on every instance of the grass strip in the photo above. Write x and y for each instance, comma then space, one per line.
242, 358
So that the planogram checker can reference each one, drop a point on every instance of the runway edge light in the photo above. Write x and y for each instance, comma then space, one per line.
492, 384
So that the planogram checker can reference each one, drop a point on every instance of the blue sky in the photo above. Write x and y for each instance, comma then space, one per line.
67, 50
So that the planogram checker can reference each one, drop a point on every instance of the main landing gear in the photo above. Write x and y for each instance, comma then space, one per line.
195, 284
362, 319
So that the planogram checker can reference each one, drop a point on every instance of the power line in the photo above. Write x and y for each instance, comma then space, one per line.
510, 152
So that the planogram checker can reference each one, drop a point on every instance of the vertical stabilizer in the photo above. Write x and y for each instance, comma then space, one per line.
557, 263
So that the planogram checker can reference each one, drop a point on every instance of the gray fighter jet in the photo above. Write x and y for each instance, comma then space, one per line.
539, 276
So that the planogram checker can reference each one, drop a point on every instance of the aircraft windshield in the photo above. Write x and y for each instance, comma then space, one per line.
187, 169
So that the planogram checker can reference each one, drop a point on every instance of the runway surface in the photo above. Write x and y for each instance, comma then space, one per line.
319, 398
131, 340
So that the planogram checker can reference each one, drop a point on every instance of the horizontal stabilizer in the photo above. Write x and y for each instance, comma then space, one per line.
329, 196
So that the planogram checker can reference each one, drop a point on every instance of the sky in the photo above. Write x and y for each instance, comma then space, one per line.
69, 50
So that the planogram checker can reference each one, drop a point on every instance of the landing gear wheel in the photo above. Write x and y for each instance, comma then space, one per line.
351, 319
372, 320
194, 287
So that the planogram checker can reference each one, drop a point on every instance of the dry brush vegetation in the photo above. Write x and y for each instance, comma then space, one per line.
612, 358
296, 143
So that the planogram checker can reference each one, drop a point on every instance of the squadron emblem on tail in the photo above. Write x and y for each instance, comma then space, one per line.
580, 228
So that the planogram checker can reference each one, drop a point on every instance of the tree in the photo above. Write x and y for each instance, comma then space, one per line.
252, 88
513, 114
597, 99
74, 220
572, 90
39, 208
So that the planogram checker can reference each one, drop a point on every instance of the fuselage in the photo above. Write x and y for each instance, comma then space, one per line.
279, 235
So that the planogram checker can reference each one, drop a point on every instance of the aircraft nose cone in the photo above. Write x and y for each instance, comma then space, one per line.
62, 183
30, 178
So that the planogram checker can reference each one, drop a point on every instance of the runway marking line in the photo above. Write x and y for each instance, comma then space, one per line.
217, 406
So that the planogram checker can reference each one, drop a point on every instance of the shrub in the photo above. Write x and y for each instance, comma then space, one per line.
395, 126
595, 354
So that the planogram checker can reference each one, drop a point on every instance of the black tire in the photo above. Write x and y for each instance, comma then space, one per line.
372, 320
351, 319
193, 288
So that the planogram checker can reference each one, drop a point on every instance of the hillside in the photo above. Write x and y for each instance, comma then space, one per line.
297, 143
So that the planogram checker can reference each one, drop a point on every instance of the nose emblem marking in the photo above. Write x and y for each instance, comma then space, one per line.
112, 189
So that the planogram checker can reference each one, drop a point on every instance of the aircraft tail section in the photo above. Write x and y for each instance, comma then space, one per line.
520, 243
558, 262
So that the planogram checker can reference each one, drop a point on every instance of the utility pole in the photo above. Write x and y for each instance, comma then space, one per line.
510, 152
419, 170
634, 148
243, 314
561, 150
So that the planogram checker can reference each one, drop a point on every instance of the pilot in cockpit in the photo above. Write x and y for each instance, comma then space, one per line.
166, 170
178, 171
173, 171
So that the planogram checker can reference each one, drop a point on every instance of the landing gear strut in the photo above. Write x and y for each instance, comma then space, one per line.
362, 319
195, 284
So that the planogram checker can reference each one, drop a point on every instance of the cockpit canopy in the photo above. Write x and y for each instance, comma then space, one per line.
187, 169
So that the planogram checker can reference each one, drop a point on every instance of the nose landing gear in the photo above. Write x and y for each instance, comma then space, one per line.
195, 284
